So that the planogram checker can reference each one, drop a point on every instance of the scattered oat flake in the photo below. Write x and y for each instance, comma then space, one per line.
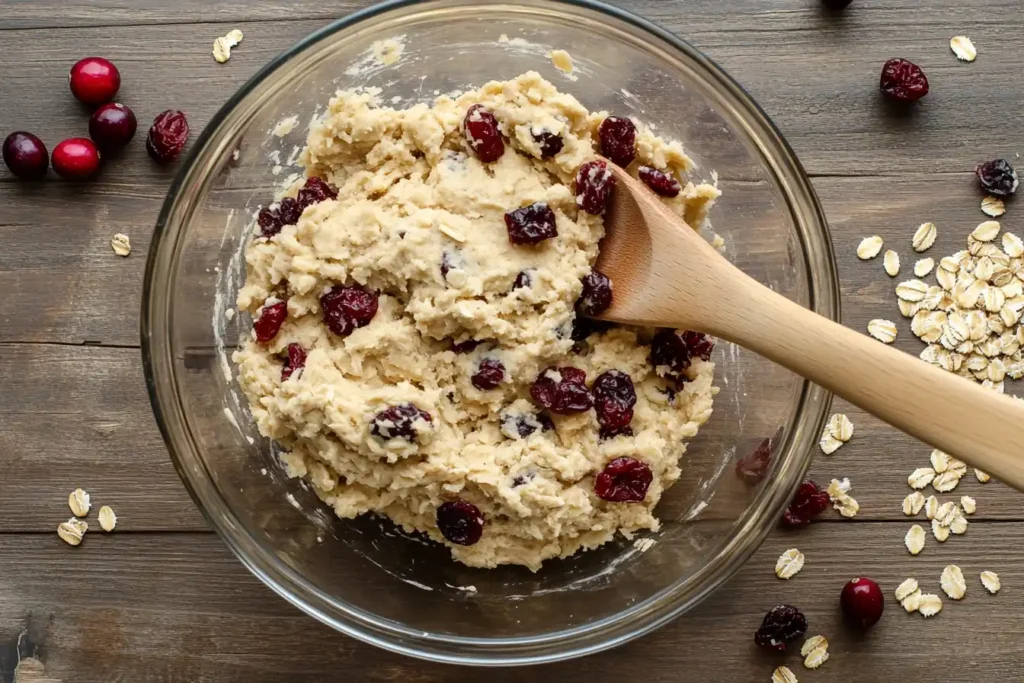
78, 501
944, 515
963, 48
891, 263
912, 602
986, 232
813, 643
983, 477
789, 564
968, 504
906, 588
72, 531
234, 36
931, 507
921, 477
1012, 245
958, 525
941, 533
940, 461
829, 444
814, 651
869, 247
783, 675
924, 266
121, 245
838, 488
221, 50
946, 482
911, 290
993, 206
930, 605
924, 237
952, 582
913, 503
914, 539
990, 580
108, 520
883, 330
840, 427
847, 506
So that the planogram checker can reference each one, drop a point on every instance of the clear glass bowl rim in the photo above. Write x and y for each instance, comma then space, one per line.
757, 521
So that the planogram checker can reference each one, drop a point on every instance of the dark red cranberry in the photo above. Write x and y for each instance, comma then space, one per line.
903, 81
112, 126
550, 143
94, 80
618, 140
481, 129
531, 224
167, 136
670, 350
997, 177
315, 190
466, 346
596, 296
522, 280
489, 375
614, 398
700, 345
662, 183
347, 307
296, 361
584, 327
398, 422
269, 323
26, 155
862, 602
594, 183
606, 433
562, 391
623, 480
76, 158
290, 211
269, 221
752, 469
524, 478
836, 4
809, 502
460, 522
783, 624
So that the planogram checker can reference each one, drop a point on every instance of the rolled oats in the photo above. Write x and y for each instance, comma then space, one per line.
891, 263
958, 525
72, 531
121, 245
968, 504
990, 580
783, 675
913, 503
924, 237
108, 520
983, 477
914, 539
939, 459
813, 643
869, 247
911, 290
921, 477
941, 533
912, 602
923, 267
945, 482
906, 588
789, 564
78, 501
963, 48
815, 652
945, 513
930, 605
828, 443
931, 507
840, 427
986, 231
1012, 245
952, 582
993, 206
882, 330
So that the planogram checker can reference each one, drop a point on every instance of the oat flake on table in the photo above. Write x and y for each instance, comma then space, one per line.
915, 539
78, 501
840, 427
107, 518
815, 652
963, 48
993, 206
789, 564
968, 504
869, 247
913, 503
783, 674
931, 507
990, 580
952, 582
72, 531
912, 602
921, 477
940, 532
930, 605
121, 245
906, 588
891, 263
924, 266
983, 477
924, 237
883, 330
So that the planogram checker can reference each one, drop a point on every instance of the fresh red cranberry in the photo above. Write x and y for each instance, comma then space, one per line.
460, 522
481, 129
809, 502
269, 323
596, 296
700, 345
523, 279
398, 422
94, 80
315, 190
783, 624
550, 143
623, 480
489, 375
112, 126
531, 224
594, 183
167, 136
618, 140
862, 602
670, 350
614, 398
997, 177
296, 361
563, 391
660, 182
466, 346
903, 81
348, 307
26, 155
76, 158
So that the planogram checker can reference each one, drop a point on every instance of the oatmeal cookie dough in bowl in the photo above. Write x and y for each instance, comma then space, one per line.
420, 348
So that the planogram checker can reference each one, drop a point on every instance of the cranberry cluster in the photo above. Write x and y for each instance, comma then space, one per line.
289, 210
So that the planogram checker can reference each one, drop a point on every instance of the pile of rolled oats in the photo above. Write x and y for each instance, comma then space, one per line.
73, 531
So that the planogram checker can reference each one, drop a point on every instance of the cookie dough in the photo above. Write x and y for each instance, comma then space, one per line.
421, 220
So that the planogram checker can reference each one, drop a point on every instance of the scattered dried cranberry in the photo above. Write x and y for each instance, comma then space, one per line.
481, 129
289, 211
296, 361
94, 80
167, 136
783, 624
809, 502
700, 345
269, 221
347, 307
76, 158
751, 469
531, 224
398, 422
315, 190
997, 177
862, 601
618, 140
550, 143
112, 126
670, 350
623, 480
562, 391
594, 183
659, 181
614, 398
269, 323
522, 280
596, 296
489, 375
903, 81
584, 327
26, 155
466, 346
460, 522
606, 433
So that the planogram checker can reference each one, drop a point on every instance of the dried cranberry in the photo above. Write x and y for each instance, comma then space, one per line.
550, 143
346, 308
997, 177
623, 480
489, 375
562, 391
614, 398
596, 296
903, 81
76, 158
269, 323
269, 221
296, 361
618, 140
659, 181
783, 624
167, 136
700, 345
594, 183
398, 422
460, 522
584, 327
752, 469
522, 280
94, 80
669, 350
606, 433
26, 155
315, 190
481, 129
862, 602
531, 224
809, 502
112, 126
466, 346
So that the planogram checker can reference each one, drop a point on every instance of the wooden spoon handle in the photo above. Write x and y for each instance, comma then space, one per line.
977, 425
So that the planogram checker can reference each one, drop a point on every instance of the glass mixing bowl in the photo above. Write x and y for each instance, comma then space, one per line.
364, 577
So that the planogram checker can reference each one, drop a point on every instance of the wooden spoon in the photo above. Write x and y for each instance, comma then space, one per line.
666, 275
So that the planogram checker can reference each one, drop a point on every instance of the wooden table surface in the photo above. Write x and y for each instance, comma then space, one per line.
164, 600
